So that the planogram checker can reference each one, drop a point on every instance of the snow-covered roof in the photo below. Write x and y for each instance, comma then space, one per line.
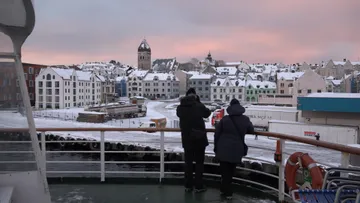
201, 77
82, 75
231, 70
330, 78
335, 95
233, 63
121, 78
144, 45
160, 76
339, 62
64, 73
101, 78
192, 72
138, 73
336, 82
261, 85
254, 76
231, 81
164, 64
289, 75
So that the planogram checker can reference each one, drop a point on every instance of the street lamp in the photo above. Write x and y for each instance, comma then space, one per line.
17, 21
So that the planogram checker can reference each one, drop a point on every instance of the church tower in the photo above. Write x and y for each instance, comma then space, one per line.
144, 56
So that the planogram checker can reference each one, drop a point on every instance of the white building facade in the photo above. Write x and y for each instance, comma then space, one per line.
226, 89
66, 88
161, 85
135, 83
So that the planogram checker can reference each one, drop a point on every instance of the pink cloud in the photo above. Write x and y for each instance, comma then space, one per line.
254, 31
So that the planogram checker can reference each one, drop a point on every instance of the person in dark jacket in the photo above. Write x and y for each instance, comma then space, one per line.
193, 136
229, 143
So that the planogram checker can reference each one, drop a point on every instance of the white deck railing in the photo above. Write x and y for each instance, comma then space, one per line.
346, 151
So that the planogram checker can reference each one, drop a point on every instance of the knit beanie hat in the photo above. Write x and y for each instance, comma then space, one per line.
234, 101
190, 91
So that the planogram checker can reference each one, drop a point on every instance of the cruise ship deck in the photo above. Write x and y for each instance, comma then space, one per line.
143, 192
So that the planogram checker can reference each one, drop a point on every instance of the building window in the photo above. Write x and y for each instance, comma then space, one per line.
281, 91
281, 84
17, 83
26, 76
31, 96
17, 96
57, 91
57, 84
49, 91
48, 84
41, 98
31, 70
57, 99
41, 106
319, 91
214, 96
48, 77
214, 89
40, 83
299, 91
31, 83
309, 91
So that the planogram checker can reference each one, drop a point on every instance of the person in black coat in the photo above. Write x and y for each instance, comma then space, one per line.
193, 136
229, 143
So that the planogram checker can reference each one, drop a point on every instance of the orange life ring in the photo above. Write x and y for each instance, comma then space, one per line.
292, 165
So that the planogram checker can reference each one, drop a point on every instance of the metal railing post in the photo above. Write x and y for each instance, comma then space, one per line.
162, 164
43, 150
102, 156
345, 162
281, 172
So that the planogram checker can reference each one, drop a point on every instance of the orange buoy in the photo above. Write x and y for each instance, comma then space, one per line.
297, 160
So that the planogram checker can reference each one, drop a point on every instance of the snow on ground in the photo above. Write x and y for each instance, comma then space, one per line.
157, 109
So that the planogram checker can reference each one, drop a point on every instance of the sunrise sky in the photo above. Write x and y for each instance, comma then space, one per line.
289, 31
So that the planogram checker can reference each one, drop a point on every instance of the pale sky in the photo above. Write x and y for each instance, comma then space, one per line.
289, 31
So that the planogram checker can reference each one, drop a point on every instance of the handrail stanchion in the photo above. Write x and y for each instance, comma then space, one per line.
278, 157
102, 156
43, 149
345, 162
162, 165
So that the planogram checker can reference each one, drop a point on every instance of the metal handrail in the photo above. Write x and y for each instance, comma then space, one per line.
102, 150
328, 145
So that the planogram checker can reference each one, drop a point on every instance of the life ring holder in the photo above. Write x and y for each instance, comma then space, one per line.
300, 160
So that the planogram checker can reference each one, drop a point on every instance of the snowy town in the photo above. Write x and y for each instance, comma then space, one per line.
113, 94
257, 129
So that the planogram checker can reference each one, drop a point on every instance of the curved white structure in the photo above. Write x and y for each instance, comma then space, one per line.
17, 21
